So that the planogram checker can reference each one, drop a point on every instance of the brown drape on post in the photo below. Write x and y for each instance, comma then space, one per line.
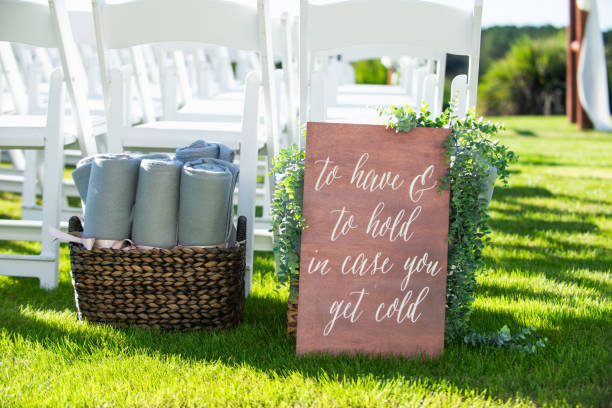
575, 34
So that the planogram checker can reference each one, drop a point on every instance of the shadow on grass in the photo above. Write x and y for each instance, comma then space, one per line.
540, 209
260, 342
528, 226
561, 269
513, 292
524, 132
527, 159
503, 193
517, 222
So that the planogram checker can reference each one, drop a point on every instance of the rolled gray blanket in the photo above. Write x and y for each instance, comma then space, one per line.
81, 174
206, 207
151, 156
157, 202
201, 149
110, 197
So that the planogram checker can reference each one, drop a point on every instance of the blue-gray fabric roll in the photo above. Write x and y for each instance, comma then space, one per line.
81, 174
206, 207
110, 197
152, 156
201, 149
157, 202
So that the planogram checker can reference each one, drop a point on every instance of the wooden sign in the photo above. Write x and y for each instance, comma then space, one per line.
373, 257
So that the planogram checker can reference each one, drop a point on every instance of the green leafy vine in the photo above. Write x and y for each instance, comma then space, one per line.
471, 152
287, 218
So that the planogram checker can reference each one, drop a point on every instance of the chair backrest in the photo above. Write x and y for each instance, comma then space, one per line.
47, 25
127, 24
240, 26
219, 22
81, 22
395, 27
27, 22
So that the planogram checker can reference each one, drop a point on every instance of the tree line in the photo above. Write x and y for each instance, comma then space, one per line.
522, 70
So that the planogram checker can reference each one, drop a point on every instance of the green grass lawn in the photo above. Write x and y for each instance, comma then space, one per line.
548, 266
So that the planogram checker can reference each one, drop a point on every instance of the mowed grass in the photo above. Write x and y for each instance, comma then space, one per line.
548, 266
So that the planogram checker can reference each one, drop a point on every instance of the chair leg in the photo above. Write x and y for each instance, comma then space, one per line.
248, 168
30, 182
119, 115
268, 191
50, 280
52, 183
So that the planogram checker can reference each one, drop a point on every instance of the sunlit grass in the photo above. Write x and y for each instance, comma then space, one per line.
548, 266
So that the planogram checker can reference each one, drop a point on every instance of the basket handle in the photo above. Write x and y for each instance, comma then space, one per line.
74, 224
241, 231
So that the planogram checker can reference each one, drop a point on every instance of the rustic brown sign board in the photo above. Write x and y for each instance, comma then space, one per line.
374, 254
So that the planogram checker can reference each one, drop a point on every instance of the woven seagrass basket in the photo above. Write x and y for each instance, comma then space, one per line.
292, 311
174, 289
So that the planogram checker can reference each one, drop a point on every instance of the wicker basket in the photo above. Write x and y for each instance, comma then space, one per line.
177, 289
292, 311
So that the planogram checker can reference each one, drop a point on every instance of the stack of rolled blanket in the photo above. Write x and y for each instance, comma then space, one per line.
157, 200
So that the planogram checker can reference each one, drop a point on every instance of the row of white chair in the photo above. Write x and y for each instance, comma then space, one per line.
393, 28
157, 75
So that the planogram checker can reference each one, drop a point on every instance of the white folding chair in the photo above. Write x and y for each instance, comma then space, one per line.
143, 108
48, 136
390, 27
222, 101
16, 90
287, 84
420, 84
30, 23
243, 27
55, 21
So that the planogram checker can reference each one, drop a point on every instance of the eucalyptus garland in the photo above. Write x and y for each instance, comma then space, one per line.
287, 218
471, 151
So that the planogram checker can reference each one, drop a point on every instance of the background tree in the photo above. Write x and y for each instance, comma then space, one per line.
530, 79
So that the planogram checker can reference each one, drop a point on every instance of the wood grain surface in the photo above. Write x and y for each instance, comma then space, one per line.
374, 254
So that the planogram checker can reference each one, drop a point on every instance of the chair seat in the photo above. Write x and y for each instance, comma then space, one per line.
157, 135
29, 121
96, 109
6, 103
356, 103
357, 115
39, 123
230, 109
196, 126
98, 123
371, 89
236, 94
23, 230
374, 99
28, 131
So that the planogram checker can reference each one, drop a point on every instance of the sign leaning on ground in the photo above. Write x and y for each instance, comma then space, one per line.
373, 257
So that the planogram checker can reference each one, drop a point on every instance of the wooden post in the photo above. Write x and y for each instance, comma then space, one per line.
575, 34
390, 72
571, 95
581, 116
